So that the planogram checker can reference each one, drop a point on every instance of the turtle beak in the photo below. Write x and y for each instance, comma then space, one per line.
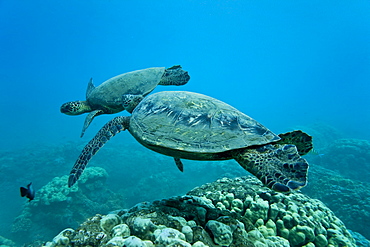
63, 110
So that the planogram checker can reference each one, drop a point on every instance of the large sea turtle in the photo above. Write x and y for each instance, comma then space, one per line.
193, 126
107, 97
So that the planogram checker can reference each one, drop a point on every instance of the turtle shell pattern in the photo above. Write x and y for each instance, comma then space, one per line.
195, 123
139, 82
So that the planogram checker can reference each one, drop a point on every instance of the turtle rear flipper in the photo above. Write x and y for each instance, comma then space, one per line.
298, 138
174, 76
179, 164
279, 167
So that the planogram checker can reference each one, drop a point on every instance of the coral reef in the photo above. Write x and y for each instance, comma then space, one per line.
351, 157
56, 206
155, 176
361, 241
348, 199
6, 242
228, 212
159, 178
37, 163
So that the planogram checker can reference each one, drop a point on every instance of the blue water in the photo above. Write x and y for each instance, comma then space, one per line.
284, 63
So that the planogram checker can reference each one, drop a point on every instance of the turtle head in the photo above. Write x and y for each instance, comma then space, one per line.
75, 108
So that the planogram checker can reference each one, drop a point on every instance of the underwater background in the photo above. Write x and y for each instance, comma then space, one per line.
289, 65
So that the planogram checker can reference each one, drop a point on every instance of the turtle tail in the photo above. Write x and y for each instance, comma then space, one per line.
109, 130
278, 166
174, 76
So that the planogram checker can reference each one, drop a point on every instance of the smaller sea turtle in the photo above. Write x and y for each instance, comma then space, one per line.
193, 126
108, 98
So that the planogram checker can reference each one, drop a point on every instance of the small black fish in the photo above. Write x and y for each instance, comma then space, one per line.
28, 192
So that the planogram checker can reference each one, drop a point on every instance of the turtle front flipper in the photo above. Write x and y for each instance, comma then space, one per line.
278, 166
109, 130
89, 119
174, 76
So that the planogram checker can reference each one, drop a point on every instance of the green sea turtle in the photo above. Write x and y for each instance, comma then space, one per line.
107, 97
187, 125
